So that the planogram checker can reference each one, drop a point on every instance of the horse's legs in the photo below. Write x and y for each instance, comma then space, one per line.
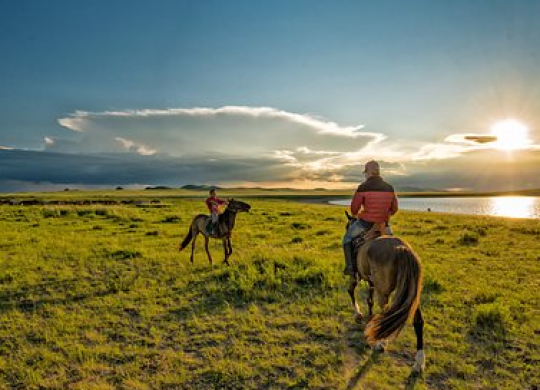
206, 240
382, 300
230, 246
226, 244
370, 298
356, 308
195, 234
418, 324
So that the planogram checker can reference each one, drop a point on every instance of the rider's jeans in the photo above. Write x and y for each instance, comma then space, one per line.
357, 227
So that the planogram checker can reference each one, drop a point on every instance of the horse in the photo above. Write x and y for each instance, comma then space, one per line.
224, 229
389, 264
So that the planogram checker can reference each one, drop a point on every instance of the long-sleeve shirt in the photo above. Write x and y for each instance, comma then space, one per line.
213, 203
374, 201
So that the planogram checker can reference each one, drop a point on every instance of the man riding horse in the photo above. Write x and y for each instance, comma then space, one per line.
387, 263
373, 203
214, 203
223, 230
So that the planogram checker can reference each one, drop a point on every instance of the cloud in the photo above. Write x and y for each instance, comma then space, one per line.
122, 169
234, 130
469, 138
481, 139
256, 145
484, 170
130, 145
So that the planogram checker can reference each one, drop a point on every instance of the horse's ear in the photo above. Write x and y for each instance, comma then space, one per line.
349, 217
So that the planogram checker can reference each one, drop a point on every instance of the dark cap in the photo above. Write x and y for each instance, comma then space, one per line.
372, 167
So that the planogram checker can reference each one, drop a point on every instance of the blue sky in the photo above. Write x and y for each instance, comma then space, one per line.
267, 93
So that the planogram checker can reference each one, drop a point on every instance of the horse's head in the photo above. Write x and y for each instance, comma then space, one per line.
238, 206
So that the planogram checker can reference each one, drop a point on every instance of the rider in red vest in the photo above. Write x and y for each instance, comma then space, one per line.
373, 203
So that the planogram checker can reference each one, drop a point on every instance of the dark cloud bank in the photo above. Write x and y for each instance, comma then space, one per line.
32, 170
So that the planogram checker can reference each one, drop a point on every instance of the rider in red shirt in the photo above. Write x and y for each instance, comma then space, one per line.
214, 203
373, 203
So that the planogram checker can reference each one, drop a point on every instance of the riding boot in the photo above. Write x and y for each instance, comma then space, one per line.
350, 269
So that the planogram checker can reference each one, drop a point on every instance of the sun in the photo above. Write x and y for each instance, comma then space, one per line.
511, 135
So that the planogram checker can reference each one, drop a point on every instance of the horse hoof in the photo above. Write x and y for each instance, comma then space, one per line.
420, 364
379, 347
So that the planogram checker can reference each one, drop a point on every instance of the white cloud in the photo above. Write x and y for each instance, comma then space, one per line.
232, 130
130, 145
79, 120
439, 152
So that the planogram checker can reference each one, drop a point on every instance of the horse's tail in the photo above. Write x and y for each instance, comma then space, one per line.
389, 323
189, 236
187, 240
191, 231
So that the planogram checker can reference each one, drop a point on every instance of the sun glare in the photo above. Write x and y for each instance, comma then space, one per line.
512, 206
511, 135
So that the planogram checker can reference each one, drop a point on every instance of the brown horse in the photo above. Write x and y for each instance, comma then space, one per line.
389, 265
224, 229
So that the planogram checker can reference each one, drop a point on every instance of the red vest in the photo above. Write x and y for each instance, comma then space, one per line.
374, 200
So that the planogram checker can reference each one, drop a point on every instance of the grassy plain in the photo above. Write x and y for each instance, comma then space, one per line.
98, 297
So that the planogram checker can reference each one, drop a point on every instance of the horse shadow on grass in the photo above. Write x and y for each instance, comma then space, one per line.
358, 349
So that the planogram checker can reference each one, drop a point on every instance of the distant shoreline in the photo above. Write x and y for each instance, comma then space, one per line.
308, 196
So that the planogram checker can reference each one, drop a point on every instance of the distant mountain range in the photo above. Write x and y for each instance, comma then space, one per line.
416, 189
199, 187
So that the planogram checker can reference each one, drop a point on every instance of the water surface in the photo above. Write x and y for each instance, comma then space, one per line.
499, 206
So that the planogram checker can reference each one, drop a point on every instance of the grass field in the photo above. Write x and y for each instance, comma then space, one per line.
98, 297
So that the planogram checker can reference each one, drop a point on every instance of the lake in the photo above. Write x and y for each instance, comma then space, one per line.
499, 206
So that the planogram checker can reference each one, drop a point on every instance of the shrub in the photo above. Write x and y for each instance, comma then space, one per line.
299, 226
491, 321
102, 212
297, 240
172, 219
484, 297
125, 254
51, 213
432, 286
84, 212
323, 233
468, 239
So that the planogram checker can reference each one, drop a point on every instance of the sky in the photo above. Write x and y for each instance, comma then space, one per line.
280, 93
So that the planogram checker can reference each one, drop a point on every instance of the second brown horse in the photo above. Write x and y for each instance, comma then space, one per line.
224, 229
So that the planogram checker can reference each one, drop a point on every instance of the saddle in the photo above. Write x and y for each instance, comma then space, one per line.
210, 229
376, 231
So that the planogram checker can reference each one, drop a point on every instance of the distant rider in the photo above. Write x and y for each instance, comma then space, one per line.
214, 203
373, 203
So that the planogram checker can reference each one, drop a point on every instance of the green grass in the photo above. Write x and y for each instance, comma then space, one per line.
97, 296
